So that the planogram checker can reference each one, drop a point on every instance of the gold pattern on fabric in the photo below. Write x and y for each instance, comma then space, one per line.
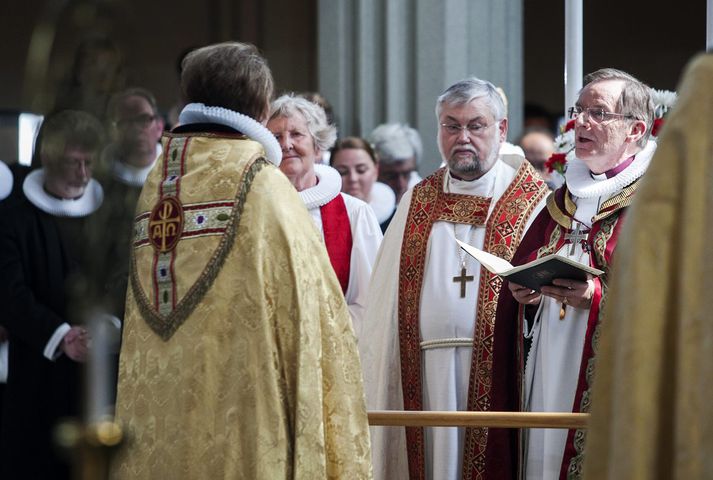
263, 380
622, 200
207, 218
599, 244
165, 224
163, 317
562, 218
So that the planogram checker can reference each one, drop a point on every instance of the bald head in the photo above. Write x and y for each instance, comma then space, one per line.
538, 145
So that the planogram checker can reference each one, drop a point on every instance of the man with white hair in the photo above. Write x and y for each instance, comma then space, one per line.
430, 309
399, 149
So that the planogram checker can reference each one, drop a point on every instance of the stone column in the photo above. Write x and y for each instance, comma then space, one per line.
388, 60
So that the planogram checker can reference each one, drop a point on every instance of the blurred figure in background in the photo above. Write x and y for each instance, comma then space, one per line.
135, 127
399, 148
538, 145
357, 163
97, 73
41, 246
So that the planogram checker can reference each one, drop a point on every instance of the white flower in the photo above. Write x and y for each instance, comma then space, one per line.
564, 142
663, 100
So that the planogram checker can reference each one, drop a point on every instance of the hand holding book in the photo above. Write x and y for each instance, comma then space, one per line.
536, 274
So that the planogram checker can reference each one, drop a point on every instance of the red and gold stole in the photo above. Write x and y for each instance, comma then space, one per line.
338, 238
503, 230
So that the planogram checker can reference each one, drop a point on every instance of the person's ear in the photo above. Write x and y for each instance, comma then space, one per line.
503, 127
637, 129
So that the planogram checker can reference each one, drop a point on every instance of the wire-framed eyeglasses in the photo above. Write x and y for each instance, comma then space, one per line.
473, 129
597, 115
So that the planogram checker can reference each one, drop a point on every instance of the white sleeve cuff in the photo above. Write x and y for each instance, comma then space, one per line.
52, 351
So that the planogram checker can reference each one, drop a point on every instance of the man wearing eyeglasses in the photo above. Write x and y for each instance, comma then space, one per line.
613, 118
399, 149
136, 127
430, 310
41, 253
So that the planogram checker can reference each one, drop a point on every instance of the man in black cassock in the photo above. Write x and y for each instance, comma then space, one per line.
40, 251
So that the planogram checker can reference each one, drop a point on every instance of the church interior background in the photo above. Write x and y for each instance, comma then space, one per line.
374, 60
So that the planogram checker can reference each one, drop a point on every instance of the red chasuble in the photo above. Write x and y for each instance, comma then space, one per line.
338, 238
547, 235
503, 230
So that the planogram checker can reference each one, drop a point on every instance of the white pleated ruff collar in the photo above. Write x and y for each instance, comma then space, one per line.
6, 181
88, 203
329, 184
200, 113
581, 184
130, 175
382, 200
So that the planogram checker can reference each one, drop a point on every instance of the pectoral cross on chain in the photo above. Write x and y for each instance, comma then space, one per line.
462, 279
575, 237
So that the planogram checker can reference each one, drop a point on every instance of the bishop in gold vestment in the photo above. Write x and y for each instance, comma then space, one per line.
238, 357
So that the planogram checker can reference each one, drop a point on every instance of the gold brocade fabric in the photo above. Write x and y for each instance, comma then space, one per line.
262, 379
652, 408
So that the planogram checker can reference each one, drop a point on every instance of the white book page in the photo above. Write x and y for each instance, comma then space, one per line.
493, 263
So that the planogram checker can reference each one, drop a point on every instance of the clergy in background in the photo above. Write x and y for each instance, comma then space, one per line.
613, 117
238, 357
652, 415
41, 247
135, 126
426, 339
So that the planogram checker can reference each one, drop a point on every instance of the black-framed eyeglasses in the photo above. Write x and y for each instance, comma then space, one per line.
143, 120
597, 115
473, 129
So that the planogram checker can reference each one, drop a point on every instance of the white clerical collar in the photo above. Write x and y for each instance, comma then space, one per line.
34, 190
131, 175
582, 184
6, 181
200, 113
329, 184
482, 186
382, 200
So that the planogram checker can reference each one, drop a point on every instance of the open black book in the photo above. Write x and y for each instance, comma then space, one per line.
534, 274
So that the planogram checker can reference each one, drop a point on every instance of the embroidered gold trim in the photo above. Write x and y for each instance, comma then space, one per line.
166, 326
621, 200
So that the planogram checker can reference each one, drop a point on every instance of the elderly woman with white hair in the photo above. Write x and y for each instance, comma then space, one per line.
349, 227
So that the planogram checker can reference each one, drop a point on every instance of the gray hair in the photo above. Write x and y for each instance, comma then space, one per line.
323, 134
468, 90
635, 98
396, 142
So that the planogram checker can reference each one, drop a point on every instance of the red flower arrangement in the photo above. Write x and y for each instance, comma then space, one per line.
656, 127
556, 163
